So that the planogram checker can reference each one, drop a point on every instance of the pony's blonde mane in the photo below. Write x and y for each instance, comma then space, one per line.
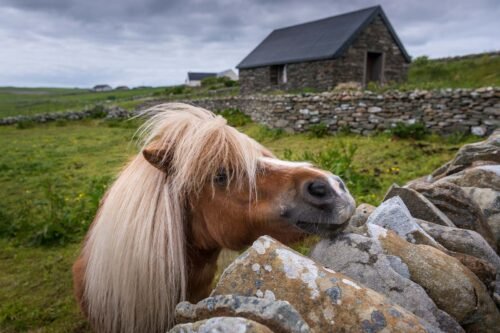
136, 253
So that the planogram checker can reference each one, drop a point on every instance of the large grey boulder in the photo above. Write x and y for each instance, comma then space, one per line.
222, 325
452, 287
327, 300
484, 270
484, 152
484, 176
363, 260
418, 205
453, 201
277, 315
394, 215
489, 202
463, 241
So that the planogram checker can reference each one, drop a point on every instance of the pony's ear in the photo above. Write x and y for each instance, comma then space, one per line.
157, 157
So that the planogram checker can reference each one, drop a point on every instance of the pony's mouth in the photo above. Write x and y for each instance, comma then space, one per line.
325, 223
326, 229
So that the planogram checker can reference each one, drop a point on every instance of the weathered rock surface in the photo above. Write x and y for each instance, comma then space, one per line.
454, 288
327, 301
484, 176
221, 325
487, 151
496, 292
489, 202
478, 130
393, 214
277, 315
485, 271
453, 201
418, 205
463, 241
363, 260
361, 215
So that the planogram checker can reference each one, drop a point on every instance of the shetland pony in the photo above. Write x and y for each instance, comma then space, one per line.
198, 186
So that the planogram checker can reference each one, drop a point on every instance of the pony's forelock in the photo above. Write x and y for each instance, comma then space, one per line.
200, 144
136, 251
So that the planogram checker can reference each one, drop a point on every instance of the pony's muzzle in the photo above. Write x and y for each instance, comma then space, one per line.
324, 193
323, 206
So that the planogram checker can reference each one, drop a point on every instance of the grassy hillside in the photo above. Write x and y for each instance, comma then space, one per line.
474, 72
52, 177
26, 101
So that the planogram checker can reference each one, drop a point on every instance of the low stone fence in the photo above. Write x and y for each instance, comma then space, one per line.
106, 111
363, 112
442, 111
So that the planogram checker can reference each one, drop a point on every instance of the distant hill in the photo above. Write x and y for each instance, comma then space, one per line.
470, 71
26, 101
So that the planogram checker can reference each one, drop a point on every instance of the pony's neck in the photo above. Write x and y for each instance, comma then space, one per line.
202, 266
202, 252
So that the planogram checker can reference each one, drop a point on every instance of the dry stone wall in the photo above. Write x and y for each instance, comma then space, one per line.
442, 111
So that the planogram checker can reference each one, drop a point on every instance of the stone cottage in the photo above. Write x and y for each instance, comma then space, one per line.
359, 46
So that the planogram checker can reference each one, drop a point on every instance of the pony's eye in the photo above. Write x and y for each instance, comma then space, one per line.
221, 178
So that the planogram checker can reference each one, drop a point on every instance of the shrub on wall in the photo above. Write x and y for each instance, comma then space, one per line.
415, 131
25, 124
318, 130
177, 90
213, 83
235, 117
98, 112
230, 83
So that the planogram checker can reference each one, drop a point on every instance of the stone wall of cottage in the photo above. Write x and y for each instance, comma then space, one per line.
442, 111
325, 74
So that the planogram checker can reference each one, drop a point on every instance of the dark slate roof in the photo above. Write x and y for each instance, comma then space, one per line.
192, 76
323, 39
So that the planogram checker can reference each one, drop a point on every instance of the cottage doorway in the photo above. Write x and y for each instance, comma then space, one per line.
373, 69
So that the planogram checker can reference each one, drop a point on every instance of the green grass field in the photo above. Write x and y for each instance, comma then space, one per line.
52, 177
27, 101
475, 72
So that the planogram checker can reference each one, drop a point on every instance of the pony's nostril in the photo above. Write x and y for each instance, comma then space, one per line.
339, 182
342, 186
318, 189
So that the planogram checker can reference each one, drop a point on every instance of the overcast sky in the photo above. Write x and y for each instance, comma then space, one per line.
80, 43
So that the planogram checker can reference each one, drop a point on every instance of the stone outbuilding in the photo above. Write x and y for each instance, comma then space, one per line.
194, 78
360, 46
102, 87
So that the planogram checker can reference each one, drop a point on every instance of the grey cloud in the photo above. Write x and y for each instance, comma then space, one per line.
156, 41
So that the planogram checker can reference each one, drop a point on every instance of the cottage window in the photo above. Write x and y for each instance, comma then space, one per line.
278, 74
